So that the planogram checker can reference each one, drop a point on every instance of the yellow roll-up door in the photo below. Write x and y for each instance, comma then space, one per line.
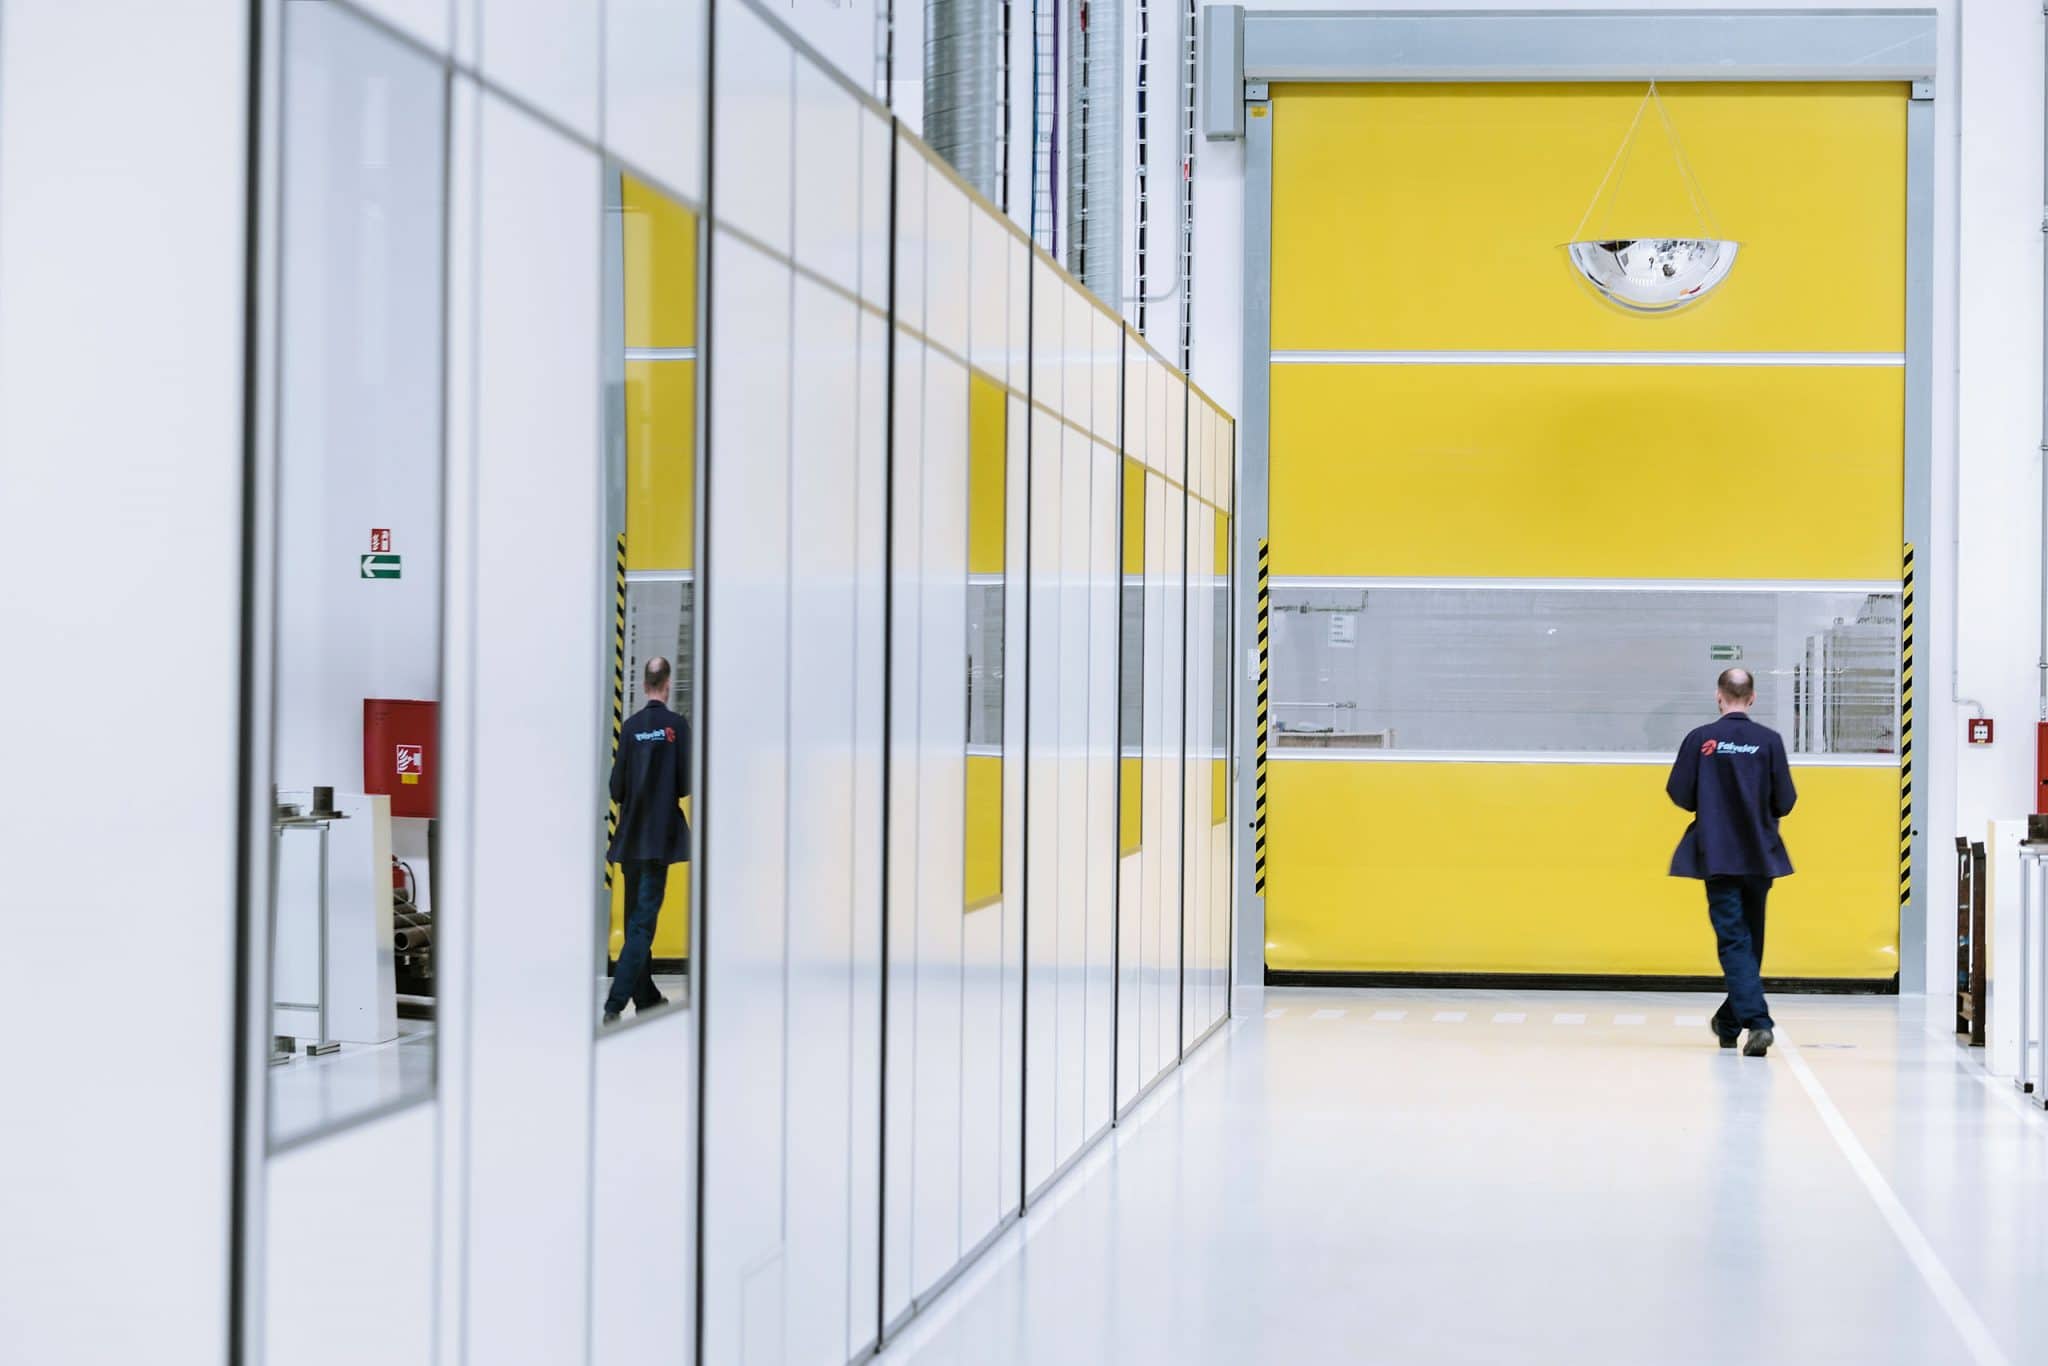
1599, 503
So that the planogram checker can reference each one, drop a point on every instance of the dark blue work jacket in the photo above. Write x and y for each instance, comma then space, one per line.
650, 777
1733, 777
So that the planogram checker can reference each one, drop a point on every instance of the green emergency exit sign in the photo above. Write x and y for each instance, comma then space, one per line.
1721, 652
380, 566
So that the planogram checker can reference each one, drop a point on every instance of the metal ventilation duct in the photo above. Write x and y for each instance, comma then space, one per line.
963, 87
1095, 105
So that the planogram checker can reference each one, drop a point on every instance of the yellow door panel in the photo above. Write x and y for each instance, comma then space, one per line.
1431, 217
1131, 805
661, 469
661, 268
1557, 868
988, 412
672, 932
1587, 471
984, 831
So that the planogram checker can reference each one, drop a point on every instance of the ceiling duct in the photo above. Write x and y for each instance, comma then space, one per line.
964, 77
1095, 114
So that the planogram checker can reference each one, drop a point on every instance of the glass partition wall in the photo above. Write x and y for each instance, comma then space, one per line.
868, 552
358, 556
651, 472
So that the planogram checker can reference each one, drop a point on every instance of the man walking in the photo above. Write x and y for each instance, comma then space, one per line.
1734, 778
650, 778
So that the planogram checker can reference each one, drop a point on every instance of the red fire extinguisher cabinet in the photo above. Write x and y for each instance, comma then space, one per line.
401, 753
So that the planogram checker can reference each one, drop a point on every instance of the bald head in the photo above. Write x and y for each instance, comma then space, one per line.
654, 679
1736, 689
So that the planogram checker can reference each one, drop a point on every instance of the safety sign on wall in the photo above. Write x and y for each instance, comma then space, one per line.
380, 563
411, 759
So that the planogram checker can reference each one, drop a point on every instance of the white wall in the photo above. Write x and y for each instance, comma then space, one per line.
1987, 403
123, 164
1989, 611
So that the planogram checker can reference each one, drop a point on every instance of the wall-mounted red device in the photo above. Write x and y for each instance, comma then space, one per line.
400, 753
1980, 730
2041, 769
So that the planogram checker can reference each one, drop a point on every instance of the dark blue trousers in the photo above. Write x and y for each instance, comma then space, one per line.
1736, 906
633, 977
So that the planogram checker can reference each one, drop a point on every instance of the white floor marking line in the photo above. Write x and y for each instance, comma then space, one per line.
1984, 1348
1510, 1017
1629, 1019
1327, 1015
1450, 1017
1390, 1015
1276, 1012
1569, 1019
1688, 1021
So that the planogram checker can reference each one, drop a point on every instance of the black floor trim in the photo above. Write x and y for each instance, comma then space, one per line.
1577, 981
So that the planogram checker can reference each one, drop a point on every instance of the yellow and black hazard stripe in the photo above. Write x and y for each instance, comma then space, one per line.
1259, 756
1906, 729
611, 821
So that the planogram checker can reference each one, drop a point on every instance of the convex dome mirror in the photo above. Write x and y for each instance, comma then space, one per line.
1653, 274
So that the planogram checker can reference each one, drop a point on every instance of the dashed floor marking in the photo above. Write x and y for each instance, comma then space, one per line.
1390, 1015
1510, 1017
1688, 1021
1629, 1019
1569, 1019
1328, 1015
1276, 1012
1450, 1017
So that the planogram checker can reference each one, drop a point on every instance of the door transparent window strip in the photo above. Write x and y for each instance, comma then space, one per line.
1875, 360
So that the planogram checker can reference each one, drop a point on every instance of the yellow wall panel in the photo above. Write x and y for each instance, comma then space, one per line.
1556, 868
661, 467
1431, 217
984, 830
661, 268
1219, 791
1587, 471
988, 411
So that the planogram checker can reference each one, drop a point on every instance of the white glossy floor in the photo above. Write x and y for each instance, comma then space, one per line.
310, 1094
1410, 1177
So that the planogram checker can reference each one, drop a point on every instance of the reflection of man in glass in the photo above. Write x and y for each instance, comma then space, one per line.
650, 778
1733, 776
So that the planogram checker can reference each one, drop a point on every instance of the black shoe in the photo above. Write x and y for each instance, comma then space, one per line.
1760, 1041
1725, 1040
611, 1017
657, 1004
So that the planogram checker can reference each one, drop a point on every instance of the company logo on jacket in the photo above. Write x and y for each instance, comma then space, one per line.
667, 733
1708, 747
